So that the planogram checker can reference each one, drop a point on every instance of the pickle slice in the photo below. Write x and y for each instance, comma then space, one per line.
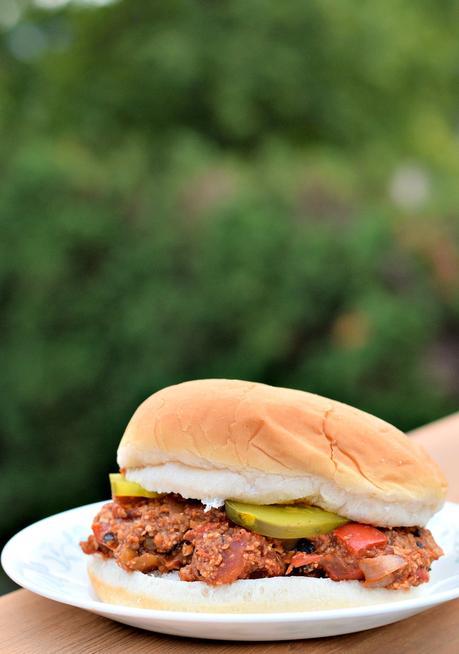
283, 521
122, 487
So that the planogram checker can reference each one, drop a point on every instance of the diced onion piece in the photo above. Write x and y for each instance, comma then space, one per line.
380, 571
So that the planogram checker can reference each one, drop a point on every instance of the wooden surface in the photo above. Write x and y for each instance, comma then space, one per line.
30, 624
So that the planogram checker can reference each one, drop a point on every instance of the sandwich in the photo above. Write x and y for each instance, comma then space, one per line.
234, 496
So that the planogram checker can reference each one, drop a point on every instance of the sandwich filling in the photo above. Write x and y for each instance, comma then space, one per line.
168, 533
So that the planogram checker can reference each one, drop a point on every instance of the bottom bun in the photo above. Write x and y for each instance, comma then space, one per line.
114, 585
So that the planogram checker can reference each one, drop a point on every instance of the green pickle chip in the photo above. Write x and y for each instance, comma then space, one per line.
122, 487
283, 520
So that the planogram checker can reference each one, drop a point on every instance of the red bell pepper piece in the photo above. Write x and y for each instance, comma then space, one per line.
340, 569
301, 558
358, 538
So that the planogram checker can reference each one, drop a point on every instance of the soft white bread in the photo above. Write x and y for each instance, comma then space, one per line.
216, 439
114, 585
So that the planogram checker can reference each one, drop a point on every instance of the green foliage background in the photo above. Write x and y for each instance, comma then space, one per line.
193, 189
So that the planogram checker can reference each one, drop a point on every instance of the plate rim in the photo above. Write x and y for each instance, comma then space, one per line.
168, 615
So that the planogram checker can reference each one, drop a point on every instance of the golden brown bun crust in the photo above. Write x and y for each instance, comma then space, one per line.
250, 427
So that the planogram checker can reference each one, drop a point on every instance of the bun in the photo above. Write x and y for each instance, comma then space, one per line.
114, 585
216, 439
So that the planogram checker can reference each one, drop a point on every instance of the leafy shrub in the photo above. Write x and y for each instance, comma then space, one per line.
202, 191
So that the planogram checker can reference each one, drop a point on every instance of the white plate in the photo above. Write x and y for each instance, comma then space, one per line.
46, 559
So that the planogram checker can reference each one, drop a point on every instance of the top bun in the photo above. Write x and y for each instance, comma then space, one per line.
216, 439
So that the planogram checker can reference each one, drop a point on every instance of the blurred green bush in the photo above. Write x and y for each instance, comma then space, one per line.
253, 189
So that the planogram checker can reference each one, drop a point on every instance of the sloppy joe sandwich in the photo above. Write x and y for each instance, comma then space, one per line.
243, 497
